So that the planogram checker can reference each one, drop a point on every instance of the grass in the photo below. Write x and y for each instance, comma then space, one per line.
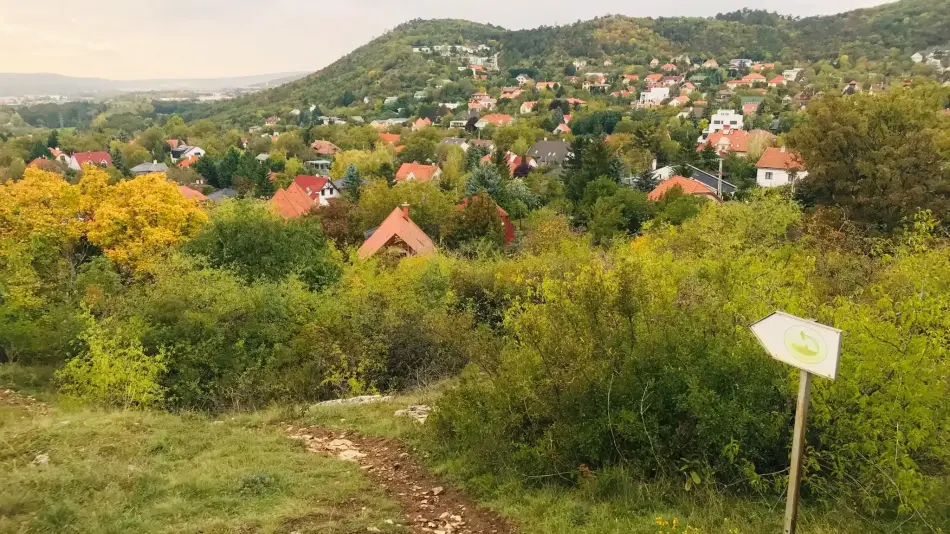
112, 472
610, 502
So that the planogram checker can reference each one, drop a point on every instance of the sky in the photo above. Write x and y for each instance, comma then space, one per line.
138, 39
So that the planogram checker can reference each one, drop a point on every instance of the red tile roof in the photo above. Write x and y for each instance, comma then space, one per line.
389, 139
688, 185
291, 202
514, 160
727, 140
779, 158
498, 119
422, 123
187, 162
172, 142
312, 185
398, 230
325, 148
668, 67
654, 77
93, 158
778, 79
191, 193
419, 172
631, 77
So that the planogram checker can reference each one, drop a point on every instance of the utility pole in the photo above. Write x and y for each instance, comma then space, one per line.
718, 178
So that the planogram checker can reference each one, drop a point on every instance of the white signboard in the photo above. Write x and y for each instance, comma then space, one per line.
805, 344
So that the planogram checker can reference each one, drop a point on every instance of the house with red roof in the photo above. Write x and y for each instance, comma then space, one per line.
325, 148
778, 167
548, 86
511, 93
101, 159
399, 235
186, 163
562, 129
527, 107
750, 108
389, 139
494, 119
687, 185
421, 123
502, 214
730, 140
414, 171
291, 202
192, 194
777, 81
630, 78
746, 80
653, 79
668, 67
319, 188
515, 161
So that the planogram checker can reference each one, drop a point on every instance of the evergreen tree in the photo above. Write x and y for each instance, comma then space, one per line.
39, 150
118, 161
352, 181
590, 159
53, 140
474, 157
647, 181
499, 159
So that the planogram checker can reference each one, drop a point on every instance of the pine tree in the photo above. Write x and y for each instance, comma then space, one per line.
352, 181
500, 160
118, 161
53, 140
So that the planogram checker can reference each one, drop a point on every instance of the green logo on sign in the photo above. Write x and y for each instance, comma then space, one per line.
805, 345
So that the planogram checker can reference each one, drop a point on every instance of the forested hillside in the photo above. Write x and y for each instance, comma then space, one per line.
387, 66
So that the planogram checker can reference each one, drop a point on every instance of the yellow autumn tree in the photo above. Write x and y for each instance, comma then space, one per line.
136, 221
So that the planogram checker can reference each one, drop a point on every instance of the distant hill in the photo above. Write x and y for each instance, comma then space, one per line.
12, 84
387, 66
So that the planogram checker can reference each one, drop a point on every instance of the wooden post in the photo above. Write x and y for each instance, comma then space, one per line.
798, 446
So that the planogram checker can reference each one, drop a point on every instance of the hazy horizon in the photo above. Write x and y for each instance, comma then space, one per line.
128, 41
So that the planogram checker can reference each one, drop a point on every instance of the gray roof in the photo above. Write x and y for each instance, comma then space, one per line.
145, 168
550, 151
454, 141
222, 194
263, 157
713, 182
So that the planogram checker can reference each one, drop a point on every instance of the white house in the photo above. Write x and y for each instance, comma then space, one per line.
654, 97
723, 118
523, 79
917, 57
778, 167
792, 74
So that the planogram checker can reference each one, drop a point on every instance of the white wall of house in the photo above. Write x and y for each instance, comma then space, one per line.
723, 118
327, 193
777, 177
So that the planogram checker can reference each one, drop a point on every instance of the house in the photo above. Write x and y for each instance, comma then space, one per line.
759, 67
630, 78
511, 93
421, 123
711, 64
495, 119
917, 57
653, 79
262, 158
184, 151
397, 233
320, 167
186, 163
77, 160
739, 63
746, 81
481, 101
414, 171
851, 88
389, 139
545, 86
223, 194
688, 86
272, 121
750, 108
502, 214
654, 97
527, 107
654, 62
319, 188
736, 142
550, 152
687, 185
777, 81
792, 74
713, 182
579, 64
514, 161
148, 168
778, 167
523, 79
191, 194
457, 124
390, 100
573, 80
622, 94
325, 148
575, 102
292, 202
608, 62
487, 144
562, 129
670, 81
457, 141
668, 67
725, 118
172, 143
681, 100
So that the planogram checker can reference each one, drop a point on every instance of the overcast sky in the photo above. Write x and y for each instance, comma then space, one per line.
136, 39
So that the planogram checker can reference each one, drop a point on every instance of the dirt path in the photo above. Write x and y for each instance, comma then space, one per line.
430, 505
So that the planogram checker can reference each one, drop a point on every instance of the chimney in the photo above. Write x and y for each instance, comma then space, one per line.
405, 210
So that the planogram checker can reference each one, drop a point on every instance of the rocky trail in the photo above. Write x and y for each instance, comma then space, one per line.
10, 398
430, 506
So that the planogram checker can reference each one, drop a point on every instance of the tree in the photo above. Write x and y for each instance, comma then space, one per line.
622, 213
53, 140
589, 160
118, 161
249, 238
477, 221
352, 181
39, 150
876, 160
137, 221
484, 179
340, 222
419, 149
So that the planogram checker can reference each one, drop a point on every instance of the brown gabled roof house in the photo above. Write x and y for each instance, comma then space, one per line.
398, 232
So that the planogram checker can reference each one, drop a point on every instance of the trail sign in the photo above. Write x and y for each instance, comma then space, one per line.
805, 344
814, 348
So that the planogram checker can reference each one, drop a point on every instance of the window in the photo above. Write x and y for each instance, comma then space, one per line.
768, 175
